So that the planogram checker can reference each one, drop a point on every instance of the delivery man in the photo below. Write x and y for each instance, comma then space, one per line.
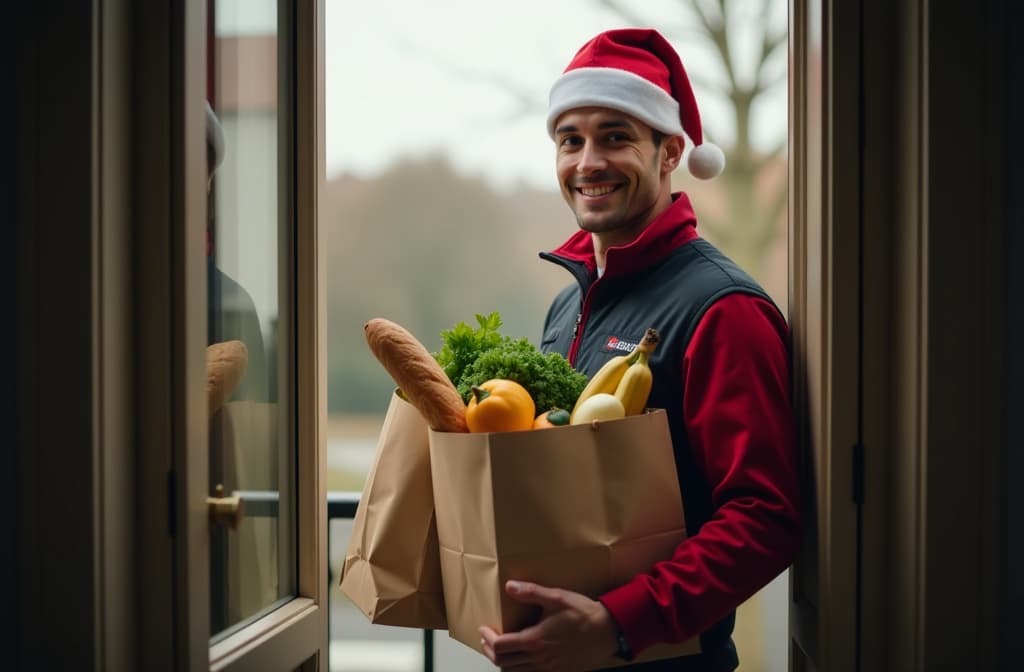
620, 116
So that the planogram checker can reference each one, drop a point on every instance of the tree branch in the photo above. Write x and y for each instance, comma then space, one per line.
719, 37
769, 45
760, 86
527, 101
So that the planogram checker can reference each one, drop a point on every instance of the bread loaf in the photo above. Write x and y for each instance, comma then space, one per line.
418, 375
225, 365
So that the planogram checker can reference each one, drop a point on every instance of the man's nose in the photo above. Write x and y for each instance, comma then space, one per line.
591, 159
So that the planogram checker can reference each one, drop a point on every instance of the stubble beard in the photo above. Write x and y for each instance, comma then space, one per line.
623, 223
616, 223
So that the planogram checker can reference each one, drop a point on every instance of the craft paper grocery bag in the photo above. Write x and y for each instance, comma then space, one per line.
392, 569
583, 507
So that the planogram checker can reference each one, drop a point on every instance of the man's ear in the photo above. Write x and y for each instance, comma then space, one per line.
671, 153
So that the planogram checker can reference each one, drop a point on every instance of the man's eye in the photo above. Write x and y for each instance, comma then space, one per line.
618, 137
571, 141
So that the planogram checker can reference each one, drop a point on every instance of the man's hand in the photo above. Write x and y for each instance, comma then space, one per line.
574, 633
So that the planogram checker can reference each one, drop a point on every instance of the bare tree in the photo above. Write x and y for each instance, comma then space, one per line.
748, 221
751, 216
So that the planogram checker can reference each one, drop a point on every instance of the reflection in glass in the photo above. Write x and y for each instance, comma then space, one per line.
249, 282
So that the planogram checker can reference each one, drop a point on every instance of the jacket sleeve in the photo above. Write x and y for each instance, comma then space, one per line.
739, 420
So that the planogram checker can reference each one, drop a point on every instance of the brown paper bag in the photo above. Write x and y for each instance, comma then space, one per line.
584, 507
392, 569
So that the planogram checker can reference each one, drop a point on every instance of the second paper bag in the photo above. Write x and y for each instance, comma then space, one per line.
584, 508
391, 569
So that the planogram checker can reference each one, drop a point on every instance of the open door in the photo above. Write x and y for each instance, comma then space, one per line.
229, 110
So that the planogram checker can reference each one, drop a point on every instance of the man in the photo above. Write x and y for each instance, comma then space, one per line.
618, 115
230, 315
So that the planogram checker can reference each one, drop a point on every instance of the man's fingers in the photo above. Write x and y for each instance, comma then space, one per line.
487, 637
508, 661
504, 650
531, 593
513, 642
487, 634
513, 650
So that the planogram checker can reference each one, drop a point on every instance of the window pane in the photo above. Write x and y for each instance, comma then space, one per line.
250, 280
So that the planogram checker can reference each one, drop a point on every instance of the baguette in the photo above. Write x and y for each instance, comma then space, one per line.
419, 377
225, 365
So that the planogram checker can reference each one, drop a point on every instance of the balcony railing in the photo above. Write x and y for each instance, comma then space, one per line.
340, 506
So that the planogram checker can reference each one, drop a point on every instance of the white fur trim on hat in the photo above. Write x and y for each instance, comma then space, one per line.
616, 89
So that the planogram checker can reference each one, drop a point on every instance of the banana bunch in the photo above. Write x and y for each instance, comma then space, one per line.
626, 378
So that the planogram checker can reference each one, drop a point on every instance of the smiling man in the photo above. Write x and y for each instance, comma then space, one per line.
620, 116
614, 171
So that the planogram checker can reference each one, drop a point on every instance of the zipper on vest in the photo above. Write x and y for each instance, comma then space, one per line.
577, 330
574, 347
582, 275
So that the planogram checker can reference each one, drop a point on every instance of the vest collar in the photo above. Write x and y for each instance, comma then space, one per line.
673, 228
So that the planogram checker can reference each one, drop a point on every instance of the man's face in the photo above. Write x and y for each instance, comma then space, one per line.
612, 175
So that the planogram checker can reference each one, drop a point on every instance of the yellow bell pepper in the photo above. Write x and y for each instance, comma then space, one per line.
500, 405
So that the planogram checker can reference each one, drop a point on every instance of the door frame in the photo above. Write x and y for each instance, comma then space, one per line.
898, 335
824, 309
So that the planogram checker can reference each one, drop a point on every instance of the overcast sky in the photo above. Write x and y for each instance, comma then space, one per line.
458, 77
469, 78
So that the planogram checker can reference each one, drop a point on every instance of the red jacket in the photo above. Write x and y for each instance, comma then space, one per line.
735, 406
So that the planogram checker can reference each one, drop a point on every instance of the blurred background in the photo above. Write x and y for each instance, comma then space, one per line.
441, 192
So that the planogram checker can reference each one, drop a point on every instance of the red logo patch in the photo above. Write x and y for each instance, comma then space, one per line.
616, 344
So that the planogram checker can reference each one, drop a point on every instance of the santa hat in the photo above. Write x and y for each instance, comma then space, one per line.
636, 71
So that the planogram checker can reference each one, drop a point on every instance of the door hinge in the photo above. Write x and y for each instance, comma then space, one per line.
858, 474
172, 500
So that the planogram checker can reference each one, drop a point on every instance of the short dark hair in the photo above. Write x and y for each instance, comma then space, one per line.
657, 136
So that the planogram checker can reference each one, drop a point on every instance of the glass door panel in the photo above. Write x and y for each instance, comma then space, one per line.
250, 279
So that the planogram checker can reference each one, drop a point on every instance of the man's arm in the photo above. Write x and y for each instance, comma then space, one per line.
740, 426
739, 420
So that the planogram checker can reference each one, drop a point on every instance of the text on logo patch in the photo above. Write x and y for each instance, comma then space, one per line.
616, 344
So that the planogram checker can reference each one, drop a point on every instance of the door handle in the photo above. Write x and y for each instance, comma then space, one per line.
225, 511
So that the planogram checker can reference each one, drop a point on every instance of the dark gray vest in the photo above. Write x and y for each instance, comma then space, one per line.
670, 296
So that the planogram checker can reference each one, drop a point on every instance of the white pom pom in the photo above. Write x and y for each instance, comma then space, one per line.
706, 161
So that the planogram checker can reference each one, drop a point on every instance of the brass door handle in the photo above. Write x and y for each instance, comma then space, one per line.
226, 511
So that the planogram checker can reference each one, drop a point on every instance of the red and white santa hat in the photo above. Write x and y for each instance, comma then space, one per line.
636, 71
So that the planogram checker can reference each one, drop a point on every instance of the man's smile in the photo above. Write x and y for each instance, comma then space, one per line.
597, 190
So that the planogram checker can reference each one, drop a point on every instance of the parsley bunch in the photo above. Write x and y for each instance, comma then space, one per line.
472, 356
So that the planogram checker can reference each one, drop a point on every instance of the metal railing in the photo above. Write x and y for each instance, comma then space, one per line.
342, 506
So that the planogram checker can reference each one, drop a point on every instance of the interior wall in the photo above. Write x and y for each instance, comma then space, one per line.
1011, 617
9, 593
53, 522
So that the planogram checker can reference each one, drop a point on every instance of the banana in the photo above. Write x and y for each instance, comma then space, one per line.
635, 385
605, 380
